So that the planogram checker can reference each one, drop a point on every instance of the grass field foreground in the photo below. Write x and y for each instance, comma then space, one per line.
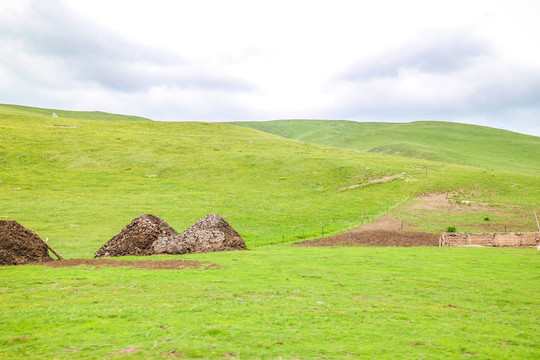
346, 303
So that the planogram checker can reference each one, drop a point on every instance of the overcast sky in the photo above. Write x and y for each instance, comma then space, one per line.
213, 60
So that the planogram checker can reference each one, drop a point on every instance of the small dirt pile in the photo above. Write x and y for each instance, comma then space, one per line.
138, 237
19, 245
209, 234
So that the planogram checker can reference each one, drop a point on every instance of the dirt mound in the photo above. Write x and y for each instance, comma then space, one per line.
138, 237
150, 235
171, 264
19, 245
209, 234
377, 238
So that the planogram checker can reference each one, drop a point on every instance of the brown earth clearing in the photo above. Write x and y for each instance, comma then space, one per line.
401, 227
426, 212
360, 237
385, 231
170, 264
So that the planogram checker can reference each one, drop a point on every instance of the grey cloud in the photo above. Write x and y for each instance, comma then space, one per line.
456, 77
88, 53
437, 51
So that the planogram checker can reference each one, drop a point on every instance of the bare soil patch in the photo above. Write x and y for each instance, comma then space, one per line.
359, 237
170, 264
468, 214
442, 202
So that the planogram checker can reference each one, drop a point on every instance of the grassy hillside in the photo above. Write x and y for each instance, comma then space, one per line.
438, 141
78, 182
6, 109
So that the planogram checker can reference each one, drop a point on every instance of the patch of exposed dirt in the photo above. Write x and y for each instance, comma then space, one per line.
363, 237
500, 217
171, 264
385, 231
396, 229
442, 202
19, 245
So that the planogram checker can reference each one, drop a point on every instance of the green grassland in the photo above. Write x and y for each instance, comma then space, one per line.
282, 303
79, 179
433, 140
28, 111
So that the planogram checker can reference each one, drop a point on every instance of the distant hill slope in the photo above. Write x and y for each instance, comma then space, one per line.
438, 141
78, 182
7, 109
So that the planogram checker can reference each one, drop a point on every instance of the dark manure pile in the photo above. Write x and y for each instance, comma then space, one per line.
150, 235
19, 245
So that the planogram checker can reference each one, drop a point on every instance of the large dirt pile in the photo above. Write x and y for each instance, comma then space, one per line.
209, 234
150, 235
376, 238
19, 245
138, 237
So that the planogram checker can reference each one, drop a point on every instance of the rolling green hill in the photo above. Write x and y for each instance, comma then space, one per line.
7, 110
79, 181
438, 141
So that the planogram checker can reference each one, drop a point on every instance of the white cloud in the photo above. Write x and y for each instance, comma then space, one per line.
245, 60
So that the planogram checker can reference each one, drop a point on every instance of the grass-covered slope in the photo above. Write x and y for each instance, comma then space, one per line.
439, 141
7, 109
78, 182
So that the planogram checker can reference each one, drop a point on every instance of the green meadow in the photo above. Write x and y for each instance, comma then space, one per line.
465, 144
79, 178
282, 303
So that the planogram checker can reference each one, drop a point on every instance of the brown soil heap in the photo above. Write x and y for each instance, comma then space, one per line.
19, 245
138, 237
149, 235
209, 234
